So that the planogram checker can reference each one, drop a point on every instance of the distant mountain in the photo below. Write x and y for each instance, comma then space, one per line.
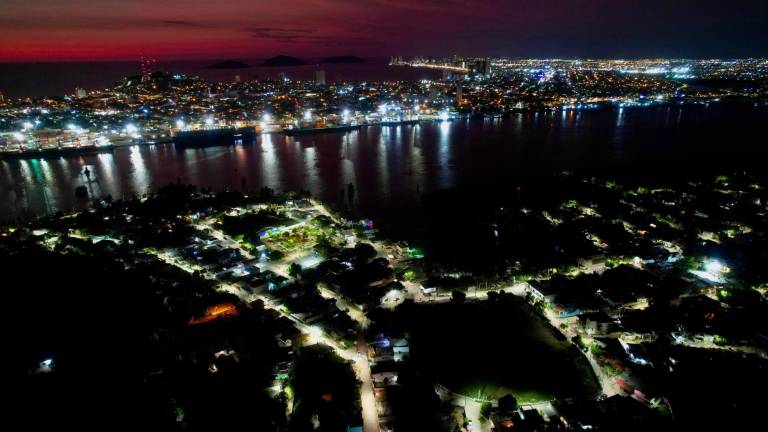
283, 60
229, 64
343, 59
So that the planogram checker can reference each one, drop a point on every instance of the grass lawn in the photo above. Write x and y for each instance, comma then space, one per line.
489, 349
302, 237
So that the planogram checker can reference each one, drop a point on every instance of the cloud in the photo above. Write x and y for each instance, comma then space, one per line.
181, 23
289, 35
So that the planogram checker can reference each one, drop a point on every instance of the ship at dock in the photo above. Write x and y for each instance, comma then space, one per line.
398, 122
221, 136
295, 131
53, 143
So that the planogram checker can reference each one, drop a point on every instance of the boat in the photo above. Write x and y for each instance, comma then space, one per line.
212, 137
52, 152
398, 122
52, 143
322, 129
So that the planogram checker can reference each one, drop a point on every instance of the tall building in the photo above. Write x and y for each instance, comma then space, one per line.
2, 99
483, 67
488, 70
320, 77
459, 94
80, 92
237, 78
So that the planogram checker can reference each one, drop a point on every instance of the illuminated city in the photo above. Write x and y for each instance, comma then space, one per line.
494, 216
153, 107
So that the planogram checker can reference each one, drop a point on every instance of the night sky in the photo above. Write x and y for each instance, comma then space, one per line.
42, 30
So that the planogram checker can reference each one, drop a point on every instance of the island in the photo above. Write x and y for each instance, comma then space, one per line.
343, 59
229, 64
283, 60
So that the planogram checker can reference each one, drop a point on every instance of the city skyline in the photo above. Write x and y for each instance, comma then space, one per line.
385, 215
52, 30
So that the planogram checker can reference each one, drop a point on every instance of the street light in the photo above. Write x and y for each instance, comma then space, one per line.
714, 267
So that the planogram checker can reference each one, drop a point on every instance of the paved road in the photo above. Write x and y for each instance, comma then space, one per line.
471, 408
367, 398
357, 355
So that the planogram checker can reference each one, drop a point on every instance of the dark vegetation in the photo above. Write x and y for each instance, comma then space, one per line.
326, 392
497, 345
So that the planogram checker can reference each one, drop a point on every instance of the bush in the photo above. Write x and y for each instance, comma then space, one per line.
485, 410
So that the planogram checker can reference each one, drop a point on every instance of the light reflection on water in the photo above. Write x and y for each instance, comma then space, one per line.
389, 166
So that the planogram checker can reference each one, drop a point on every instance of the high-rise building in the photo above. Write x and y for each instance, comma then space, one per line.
2, 99
459, 94
237, 78
488, 70
320, 77
483, 68
80, 92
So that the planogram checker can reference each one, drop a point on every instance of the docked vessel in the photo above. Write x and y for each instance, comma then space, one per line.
320, 129
398, 122
52, 144
213, 137
53, 152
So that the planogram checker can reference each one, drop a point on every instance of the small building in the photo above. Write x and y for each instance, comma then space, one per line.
541, 291
565, 311
428, 287
275, 281
596, 323
400, 349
